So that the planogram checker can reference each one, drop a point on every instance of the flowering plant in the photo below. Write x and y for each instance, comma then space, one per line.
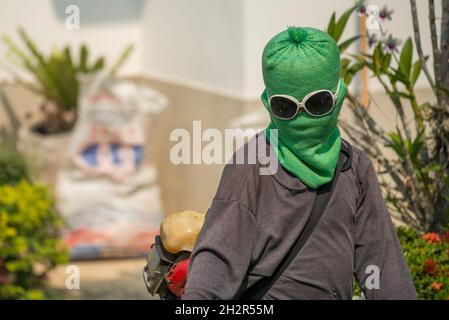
427, 257
415, 176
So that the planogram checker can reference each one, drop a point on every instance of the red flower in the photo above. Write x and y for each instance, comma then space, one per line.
437, 286
431, 267
446, 236
431, 237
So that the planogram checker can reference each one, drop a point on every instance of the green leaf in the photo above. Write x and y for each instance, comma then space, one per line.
83, 59
345, 44
331, 26
355, 68
425, 106
405, 60
32, 47
68, 56
432, 167
396, 144
349, 71
414, 148
121, 59
99, 64
44, 71
377, 59
26, 60
416, 70
341, 24
59, 86
399, 94
386, 60
345, 62
397, 75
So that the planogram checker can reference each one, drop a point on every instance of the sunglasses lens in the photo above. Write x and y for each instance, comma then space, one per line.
320, 103
283, 108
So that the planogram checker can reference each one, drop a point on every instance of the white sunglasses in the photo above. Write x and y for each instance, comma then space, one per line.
317, 104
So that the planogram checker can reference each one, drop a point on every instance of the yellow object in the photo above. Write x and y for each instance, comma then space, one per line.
179, 230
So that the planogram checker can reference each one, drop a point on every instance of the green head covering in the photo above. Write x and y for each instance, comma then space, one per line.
296, 62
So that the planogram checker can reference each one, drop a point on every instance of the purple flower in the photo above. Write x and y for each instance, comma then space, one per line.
385, 14
372, 39
360, 7
391, 44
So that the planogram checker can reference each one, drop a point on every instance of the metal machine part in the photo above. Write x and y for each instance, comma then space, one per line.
157, 267
166, 271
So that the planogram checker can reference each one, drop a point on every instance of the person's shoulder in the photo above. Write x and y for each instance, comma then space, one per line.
362, 167
361, 161
233, 180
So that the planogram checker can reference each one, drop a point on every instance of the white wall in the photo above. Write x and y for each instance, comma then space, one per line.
214, 45
199, 42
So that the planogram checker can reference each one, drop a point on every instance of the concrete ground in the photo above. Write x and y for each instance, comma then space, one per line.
102, 279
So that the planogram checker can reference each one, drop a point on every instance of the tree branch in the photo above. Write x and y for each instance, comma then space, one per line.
418, 44
435, 48
444, 47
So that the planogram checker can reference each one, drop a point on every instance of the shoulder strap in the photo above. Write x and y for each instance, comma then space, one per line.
258, 290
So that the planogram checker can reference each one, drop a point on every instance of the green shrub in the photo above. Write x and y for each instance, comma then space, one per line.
12, 167
427, 256
29, 240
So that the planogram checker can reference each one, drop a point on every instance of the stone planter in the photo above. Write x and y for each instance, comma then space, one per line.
43, 153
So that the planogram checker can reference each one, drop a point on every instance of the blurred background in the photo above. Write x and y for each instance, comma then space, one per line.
172, 62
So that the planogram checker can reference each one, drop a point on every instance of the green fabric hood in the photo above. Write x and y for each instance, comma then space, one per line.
296, 62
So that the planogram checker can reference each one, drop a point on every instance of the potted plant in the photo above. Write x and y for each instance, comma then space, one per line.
57, 80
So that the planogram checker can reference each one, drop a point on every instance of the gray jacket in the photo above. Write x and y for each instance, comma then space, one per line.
254, 220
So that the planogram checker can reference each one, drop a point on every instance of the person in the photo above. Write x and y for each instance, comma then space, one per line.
255, 219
